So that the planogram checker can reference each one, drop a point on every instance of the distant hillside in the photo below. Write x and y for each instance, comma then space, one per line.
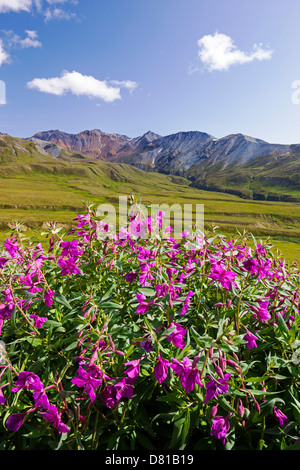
238, 164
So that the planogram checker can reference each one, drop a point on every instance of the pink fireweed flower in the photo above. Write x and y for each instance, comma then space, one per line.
112, 394
2, 397
188, 375
109, 396
161, 290
176, 337
146, 275
262, 312
216, 387
41, 399
70, 249
158, 219
161, 369
251, 265
220, 427
83, 220
12, 248
225, 278
3, 262
133, 371
68, 266
171, 272
52, 416
38, 321
30, 284
124, 389
187, 302
89, 380
280, 417
146, 345
131, 277
251, 340
15, 421
28, 381
48, 297
143, 304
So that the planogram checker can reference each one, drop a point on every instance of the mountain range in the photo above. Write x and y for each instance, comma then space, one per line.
246, 166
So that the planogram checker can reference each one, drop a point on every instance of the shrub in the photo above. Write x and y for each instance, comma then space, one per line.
124, 342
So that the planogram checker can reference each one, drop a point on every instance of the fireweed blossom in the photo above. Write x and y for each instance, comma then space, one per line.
48, 297
280, 417
89, 380
187, 302
15, 421
12, 248
146, 275
68, 266
3, 262
52, 416
161, 369
262, 312
158, 219
112, 394
133, 371
188, 375
143, 304
38, 321
220, 427
41, 399
176, 337
224, 277
131, 277
250, 339
216, 387
70, 249
28, 381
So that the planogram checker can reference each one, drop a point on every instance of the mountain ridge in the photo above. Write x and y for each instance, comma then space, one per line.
236, 163
175, 152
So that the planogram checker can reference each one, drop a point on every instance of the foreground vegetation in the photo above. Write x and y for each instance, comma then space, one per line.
137, 340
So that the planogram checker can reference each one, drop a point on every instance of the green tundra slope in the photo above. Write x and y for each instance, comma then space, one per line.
268, 177
37, 186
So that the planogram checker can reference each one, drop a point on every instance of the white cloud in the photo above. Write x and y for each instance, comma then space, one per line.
15, 5
4, 56
218, 52
129, 84
30, 41
57, 14
13, 40
78, 84
50, 12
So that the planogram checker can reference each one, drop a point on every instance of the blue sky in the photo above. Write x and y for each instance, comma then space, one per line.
129, 66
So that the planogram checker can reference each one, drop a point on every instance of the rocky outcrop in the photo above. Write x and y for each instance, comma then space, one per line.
181, 153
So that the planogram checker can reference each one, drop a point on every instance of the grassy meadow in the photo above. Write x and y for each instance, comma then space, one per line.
39, 196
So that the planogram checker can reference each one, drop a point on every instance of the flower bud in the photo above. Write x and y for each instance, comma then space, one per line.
232, 364
219, 371
241, 409
222, 363
256, 406
213, 411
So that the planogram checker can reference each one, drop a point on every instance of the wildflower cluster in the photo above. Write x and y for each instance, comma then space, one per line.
117, 341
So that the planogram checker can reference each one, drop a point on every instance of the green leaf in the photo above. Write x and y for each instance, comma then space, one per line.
110, 305
60, 298
283, 327
177, 431
34, 341
71, 346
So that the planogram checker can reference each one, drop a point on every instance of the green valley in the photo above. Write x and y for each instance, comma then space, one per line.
37, 187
